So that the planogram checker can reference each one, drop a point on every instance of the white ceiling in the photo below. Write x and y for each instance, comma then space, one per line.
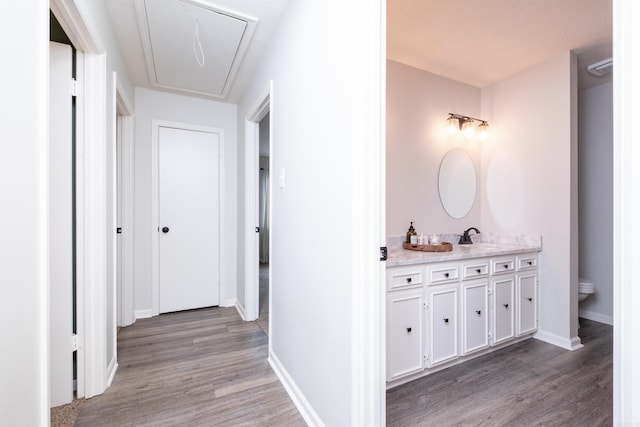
480, 42
128, 31
475, 42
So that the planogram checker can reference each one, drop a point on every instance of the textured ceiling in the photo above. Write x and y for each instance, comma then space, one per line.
483, 41
125, 24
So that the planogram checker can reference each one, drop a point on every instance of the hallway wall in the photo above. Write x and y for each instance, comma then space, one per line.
24, 235
151, 105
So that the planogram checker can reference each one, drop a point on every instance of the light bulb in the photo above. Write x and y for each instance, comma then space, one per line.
467, 129
483, 131
453, 125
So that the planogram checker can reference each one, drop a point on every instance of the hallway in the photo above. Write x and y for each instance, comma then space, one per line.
197, 367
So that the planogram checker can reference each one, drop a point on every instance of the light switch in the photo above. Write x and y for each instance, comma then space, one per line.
282, 178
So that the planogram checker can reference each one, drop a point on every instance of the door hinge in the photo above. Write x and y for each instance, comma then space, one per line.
74, 87
118, 230
257, 229
383, 253
76, 342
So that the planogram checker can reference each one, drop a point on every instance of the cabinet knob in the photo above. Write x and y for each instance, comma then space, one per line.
478, 270
408, 279
530, 262
165, 229
530, 299
446, 274
506, 305
478, 312
506, 266
446, 320
408, 330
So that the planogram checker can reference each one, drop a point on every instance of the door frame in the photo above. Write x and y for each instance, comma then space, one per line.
260, 109
155, 223
125, 124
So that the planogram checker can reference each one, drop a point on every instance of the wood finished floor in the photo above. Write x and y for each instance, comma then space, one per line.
195, 368
527, 384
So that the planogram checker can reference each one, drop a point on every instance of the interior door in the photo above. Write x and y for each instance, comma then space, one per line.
60, 225
188, 212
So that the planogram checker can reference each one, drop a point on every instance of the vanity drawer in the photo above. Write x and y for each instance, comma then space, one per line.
444, 274
527, 262
503, 265
475, 269
404, 277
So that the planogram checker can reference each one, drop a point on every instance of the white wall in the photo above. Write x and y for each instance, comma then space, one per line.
312, 253
595, 154
185, 109
418, 104
529, 173
23, 238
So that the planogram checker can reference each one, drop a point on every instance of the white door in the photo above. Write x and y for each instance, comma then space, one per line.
405, 334
188, 213
60, 226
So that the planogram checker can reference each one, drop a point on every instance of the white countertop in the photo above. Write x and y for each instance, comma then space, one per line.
484, 245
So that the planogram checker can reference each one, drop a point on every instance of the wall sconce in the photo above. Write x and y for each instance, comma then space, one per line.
465, 124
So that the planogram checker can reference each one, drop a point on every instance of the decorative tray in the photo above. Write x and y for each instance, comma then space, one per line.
440, 247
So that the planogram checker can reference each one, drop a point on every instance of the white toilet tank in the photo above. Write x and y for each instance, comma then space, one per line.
585, 288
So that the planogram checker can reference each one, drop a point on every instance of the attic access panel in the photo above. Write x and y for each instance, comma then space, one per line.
192, 46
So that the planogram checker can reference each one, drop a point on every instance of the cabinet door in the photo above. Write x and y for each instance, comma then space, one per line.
527, 304
443, 325
503, 310
475, 319
405, 345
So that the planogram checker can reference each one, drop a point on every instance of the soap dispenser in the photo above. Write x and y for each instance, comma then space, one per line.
411, 232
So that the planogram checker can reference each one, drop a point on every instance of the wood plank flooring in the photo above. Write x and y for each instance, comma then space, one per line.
195, 368
527, 384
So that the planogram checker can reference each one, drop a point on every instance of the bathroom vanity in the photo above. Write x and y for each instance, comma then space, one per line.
444, 308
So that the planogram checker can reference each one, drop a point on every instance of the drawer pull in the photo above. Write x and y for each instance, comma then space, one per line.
408, 330
446, 274
478, 312
478, 270
506, 306
446, 320
506, 266
530, 262
530, 299
408, 279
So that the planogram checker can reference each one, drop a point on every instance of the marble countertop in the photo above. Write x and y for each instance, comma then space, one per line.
484, 245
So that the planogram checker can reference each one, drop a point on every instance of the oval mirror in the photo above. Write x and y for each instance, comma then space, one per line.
457, 183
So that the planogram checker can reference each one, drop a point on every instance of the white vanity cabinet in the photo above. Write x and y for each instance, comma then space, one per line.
405, 322
475, 316
503, 289
442, 308
527, 295
443, 313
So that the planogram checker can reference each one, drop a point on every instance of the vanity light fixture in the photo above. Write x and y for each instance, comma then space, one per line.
465, 124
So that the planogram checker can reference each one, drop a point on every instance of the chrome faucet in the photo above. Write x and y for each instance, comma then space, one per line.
465, 239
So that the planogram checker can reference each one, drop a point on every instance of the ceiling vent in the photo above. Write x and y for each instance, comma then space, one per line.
601, 68
192, 45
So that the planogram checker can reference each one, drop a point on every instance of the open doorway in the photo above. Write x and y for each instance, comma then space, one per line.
258, 140
263, 220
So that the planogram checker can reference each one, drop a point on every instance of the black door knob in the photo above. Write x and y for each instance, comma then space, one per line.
165, 229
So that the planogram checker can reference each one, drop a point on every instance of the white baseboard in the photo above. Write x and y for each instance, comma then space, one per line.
142, 314
310, 416
228, 302
596, 317
240, 309
569, 344
111, 373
